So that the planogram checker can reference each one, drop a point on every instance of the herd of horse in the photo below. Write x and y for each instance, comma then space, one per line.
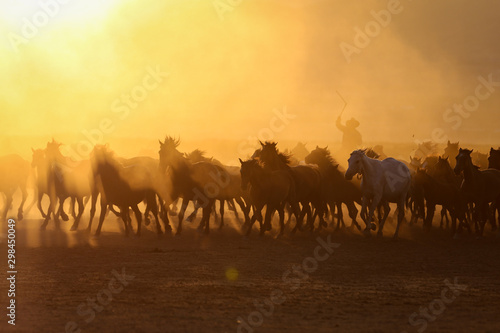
310, 192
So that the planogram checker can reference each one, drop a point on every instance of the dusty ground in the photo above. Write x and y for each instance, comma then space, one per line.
189, 283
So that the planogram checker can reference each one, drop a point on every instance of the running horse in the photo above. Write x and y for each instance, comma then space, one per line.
200, 182
483, 186
382, 182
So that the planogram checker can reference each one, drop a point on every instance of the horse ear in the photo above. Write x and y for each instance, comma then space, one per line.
317, 147
240, 160
449, 142
261, 143
33, 150
161, 143
446, 158
336, 166
326, 148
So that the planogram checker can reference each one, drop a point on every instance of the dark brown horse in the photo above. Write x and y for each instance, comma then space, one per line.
307, 180
483, 186
336, 190
268, 188
124, 187
200, 182
14, 173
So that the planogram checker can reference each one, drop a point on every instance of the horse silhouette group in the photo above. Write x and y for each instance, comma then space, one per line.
312, 190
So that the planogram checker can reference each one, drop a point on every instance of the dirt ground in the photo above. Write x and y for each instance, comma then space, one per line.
218, 283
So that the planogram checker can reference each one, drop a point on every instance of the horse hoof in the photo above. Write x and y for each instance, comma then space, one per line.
65, 218
147, 222
20, 216
73, 228
373, 226
379, 234
43, 227
178, 233
367, 232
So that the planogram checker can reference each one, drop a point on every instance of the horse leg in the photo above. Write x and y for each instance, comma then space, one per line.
72, 208
154, 209
244, 209
221, 209
207, 210
192, 216
39, 204
387, 209
231, 204
61, 212
373, 206
353, 213
252, 220
127, 221
104, 206
267, 220
181, 215
401, 215
21, 206
95, 194
281, 213
138, 217
81, 208
431, 208
8, 203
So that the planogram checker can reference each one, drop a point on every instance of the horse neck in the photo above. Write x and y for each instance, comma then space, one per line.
259, 177
470, 172
368, 166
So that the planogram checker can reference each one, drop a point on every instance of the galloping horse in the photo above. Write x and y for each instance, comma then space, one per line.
199, 182
268, 188
483, 186
14, 173
336, 189
66, 179
307, 180
383, 182
122, 186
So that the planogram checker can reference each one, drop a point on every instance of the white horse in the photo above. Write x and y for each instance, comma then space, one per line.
383, 182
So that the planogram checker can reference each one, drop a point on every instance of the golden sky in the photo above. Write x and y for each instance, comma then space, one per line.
225, 69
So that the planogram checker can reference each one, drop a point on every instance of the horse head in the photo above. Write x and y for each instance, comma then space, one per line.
355, 164
463, 160
246, 172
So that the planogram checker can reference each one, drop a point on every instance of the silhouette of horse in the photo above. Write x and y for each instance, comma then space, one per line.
157, 181
383, 182
268, 188
307, 180
494, 159
483, 186
65, 179
14, 173
199, 182
336, 190
437, 192
451, 151
122, 186
231, 192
